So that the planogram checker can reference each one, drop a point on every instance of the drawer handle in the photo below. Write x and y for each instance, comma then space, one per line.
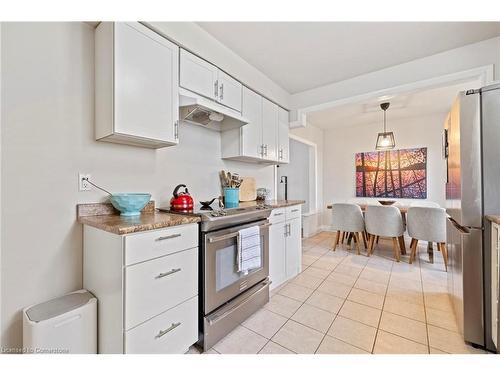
168, 237
164, 332
163, 274
295, 210
278, 214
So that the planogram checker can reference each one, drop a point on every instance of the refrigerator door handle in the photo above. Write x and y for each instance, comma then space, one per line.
460, 228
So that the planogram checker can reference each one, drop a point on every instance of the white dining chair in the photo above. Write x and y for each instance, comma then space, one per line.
385, 221
427, 224
347, 218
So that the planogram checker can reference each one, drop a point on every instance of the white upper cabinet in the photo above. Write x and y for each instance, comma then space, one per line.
198, 75
264, 139
251, 133
229, 91
136, 86
283, 139
269, 130
203, 78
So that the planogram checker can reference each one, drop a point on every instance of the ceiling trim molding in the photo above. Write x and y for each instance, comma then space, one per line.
484, 74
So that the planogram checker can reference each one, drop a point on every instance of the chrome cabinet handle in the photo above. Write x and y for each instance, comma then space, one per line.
281, 153
163, 238
295, 210
265, 150
278, 214
176, 130
262, 150
216, 89
289, 231
286, 230
221, 91
163, 274
164, 332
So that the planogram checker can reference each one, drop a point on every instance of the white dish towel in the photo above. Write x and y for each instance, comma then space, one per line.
249, 251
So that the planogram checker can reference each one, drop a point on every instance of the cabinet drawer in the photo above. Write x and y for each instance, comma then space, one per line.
293, 212
148, 245
158, 285
172, 332
277, 215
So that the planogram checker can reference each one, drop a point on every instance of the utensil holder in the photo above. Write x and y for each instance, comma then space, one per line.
231, 197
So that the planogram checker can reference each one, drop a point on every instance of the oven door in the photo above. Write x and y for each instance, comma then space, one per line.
222, 281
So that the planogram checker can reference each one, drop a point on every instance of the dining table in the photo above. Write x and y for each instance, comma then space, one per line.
404, 211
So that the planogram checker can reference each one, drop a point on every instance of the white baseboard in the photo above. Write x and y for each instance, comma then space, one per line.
326, 228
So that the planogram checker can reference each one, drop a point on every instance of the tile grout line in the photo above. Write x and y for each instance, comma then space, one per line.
343, 303
382, 310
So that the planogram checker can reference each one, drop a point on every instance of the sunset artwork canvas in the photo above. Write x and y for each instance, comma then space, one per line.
392, 174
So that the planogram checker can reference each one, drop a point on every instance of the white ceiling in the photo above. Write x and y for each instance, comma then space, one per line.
303, 55
437, 100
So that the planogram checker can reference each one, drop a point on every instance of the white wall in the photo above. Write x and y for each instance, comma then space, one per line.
47, 138
193, 37
456, 60
344, 142
316, 136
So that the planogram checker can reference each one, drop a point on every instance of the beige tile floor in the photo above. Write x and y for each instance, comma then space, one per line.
346, 303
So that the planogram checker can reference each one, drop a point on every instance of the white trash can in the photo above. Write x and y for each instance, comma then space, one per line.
67, 324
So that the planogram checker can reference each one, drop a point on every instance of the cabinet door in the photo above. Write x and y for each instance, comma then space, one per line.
283, 142
198, 75
293, 248
269, 129
146, 99
251, 133
229, 91
277, 260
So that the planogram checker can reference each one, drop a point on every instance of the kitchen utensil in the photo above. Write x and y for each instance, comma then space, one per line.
263, 193
129, 204
206, 204
248, 191
231, 197
181, 200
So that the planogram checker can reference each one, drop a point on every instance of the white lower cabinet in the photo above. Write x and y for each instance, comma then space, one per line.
147, 302
285, 244
170, 332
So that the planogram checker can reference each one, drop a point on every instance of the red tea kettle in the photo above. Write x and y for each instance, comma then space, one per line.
181, 201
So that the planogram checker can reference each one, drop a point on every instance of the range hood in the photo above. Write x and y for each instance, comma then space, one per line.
198, 110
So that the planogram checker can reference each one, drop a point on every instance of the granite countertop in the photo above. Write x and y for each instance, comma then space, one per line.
288, 203
273, 203
104, 216
493, 218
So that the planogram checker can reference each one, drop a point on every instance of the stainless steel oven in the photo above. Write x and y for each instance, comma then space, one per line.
229, 296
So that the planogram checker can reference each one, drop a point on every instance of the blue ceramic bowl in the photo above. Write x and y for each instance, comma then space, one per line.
130, 204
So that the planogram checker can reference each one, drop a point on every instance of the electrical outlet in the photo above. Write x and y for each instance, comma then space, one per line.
83, 184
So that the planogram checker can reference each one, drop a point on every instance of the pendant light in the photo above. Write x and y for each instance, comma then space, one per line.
385, 140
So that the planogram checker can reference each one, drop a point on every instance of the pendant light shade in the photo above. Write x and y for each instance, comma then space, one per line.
385, 140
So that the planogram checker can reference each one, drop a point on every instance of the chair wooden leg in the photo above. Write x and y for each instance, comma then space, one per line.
342, 234
356, 237
402, 245
336, 240
413, 251
444, 251
370, 244
411, 244
395, 245
349, 240
376, 240
364, 239
430, 251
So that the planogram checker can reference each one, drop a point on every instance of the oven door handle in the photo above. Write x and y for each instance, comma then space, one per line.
226, 313
232, 235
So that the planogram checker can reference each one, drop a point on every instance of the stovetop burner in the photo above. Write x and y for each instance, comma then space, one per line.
215, 218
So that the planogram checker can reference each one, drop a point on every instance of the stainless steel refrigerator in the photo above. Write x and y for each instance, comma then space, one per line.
472, 149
